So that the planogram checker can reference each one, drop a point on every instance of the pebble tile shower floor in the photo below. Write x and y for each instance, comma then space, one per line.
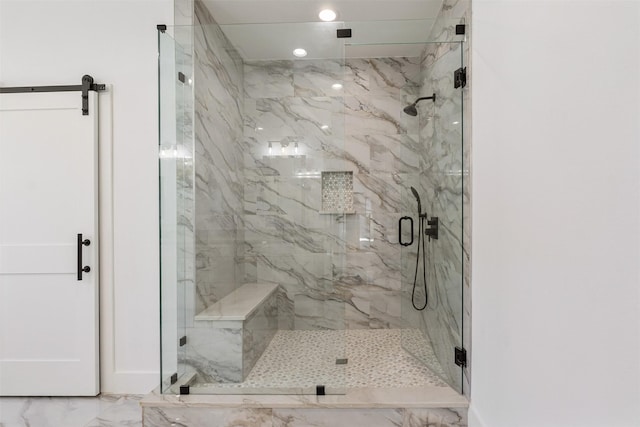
304, 359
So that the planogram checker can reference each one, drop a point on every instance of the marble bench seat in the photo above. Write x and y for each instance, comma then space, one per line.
239, 304
229, 336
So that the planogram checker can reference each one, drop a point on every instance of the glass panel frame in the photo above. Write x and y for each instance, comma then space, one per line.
175, 154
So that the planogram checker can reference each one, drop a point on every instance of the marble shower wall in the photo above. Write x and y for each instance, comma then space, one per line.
447, 194
338, 270
219, 175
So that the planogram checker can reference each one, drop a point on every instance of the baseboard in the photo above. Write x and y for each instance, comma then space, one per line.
130, 382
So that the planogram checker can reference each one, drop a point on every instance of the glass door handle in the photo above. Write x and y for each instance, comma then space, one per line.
405, 218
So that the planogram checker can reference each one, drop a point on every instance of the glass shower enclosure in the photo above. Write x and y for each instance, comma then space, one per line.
282, 184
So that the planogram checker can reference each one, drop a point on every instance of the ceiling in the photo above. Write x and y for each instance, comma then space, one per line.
271, 29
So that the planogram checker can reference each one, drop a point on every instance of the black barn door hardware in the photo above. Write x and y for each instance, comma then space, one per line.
85, 87
81, 268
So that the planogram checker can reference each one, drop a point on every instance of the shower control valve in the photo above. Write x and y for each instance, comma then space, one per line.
432, 230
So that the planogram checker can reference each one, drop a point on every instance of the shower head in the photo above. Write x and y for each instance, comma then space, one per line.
412, 110
417, 196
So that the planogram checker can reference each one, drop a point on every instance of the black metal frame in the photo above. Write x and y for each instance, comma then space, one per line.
87, 85
460, 356
344, 33
460, 77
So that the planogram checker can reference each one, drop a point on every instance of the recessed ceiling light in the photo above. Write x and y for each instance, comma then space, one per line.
327, 15
336, 86
324, 127
300, 53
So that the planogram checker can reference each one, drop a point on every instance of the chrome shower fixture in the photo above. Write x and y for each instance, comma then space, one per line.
412, 110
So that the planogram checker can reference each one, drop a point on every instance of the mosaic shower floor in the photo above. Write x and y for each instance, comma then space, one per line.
298, 361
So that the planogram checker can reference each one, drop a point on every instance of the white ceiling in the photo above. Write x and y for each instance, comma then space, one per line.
271, 29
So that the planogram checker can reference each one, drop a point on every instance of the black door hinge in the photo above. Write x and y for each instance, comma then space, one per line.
460, 77
320, 391
182, 77
174, 378
460, 29
460, 356
183, 340
344, 33
185, 389
161, 27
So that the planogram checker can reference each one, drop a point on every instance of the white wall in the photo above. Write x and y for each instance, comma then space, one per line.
56, 42
556, 214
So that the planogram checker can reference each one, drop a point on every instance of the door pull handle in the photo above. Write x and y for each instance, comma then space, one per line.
405, 218
82, 268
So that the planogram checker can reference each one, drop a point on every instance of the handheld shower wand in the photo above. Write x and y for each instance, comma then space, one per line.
417, 196
421, 233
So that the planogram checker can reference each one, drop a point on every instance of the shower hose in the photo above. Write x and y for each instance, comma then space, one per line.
421, 232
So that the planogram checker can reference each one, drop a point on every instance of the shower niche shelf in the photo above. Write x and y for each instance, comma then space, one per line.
337, 193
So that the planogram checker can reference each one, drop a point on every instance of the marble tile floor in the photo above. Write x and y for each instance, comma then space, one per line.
100, 411
299, 360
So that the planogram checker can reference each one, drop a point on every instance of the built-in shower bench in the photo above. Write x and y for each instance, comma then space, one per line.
229, 336
239, 304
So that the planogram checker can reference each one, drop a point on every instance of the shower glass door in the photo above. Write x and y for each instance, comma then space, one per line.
433, 313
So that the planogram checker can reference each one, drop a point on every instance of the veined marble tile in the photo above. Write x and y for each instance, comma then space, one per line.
386, 310
125, 411
297, 274
196, 417
258, 330
318, 312
357, 309
290, 196
376, 114
395, 153
107, 410
219, 200
376, 193
435, 417
337, 417
319, 78
268, 79
368, 268
396, 76
275, 118
215, 354
357, 77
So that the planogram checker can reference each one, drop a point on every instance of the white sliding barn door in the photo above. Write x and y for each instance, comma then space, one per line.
48, 195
